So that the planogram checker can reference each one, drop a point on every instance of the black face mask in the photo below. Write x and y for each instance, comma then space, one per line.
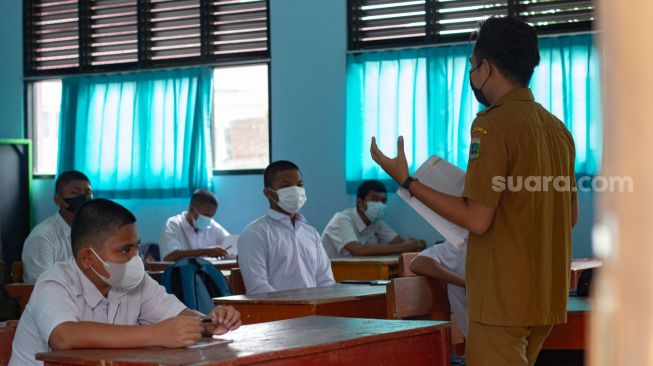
478, 92
75, 202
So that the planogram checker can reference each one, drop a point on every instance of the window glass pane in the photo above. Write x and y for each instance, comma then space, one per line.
240, 118
46, 104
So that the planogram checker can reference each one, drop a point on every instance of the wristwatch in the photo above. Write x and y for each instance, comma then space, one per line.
406, 184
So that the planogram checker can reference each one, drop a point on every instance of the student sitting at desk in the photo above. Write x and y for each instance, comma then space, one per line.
280, 251
446, 262
194, 233
361, 230
49, 241
102, 297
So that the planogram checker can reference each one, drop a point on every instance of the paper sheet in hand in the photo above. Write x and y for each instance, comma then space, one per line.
208, 341
444, 177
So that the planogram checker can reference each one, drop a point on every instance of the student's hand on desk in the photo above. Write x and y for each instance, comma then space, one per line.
225, 319
415, 245
396, 168
179, 331
217, 252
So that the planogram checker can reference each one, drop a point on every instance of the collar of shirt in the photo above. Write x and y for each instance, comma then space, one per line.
184, 222
285, 219
62, 224
91, 294
358, 220
519, 94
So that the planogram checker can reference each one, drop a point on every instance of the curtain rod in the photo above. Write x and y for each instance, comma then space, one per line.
431, 45
118, 72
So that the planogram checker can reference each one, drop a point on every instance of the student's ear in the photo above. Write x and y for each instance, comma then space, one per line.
85, 256
58, 201
361, 204
270, 194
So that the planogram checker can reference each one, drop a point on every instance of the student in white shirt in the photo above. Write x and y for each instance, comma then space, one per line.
194, 233
49, 241
280, 251
446, 262
102, 298
361, 230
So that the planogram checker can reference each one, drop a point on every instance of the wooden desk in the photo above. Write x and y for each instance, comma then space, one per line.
571, 335
365, 268
578, 265
20, 292
356, 301
311, 340
222, 264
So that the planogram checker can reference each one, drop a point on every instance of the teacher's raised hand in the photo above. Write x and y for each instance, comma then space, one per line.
396, 168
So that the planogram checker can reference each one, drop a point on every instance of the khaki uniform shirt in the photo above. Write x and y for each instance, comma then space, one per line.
517, 273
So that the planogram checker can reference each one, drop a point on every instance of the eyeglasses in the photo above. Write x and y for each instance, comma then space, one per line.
475, 67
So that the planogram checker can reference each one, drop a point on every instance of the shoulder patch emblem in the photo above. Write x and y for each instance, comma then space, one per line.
475, 148
481, 130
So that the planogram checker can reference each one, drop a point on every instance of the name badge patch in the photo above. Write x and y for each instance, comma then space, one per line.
475, 148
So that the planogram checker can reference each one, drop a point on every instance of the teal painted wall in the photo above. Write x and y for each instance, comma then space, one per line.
309, 41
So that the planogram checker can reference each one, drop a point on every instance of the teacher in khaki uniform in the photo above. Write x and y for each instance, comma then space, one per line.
519, 202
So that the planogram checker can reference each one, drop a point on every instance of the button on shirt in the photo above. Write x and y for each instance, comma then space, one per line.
65, 294
178, 234
347, 226
274, 255
452, 258
47, 243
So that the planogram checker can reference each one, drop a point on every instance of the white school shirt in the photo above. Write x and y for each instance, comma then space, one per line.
178, 234
347, 226
64, 294
273, 255
452, 258
47, 243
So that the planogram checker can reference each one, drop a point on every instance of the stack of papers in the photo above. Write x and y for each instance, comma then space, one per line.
444, 177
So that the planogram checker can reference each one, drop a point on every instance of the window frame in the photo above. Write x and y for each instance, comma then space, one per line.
207, 58
144, 42
431, 37
229, 172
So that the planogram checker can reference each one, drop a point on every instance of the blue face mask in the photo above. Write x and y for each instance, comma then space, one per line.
375, 211
202, 222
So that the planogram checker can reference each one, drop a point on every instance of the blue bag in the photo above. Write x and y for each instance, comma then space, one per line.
195, 282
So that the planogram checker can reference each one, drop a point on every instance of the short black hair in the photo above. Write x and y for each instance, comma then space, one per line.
67, 177
203, 196
97, 220
370, 185
510, 44
274, 168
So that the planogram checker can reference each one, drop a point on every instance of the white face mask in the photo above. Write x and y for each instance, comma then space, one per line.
291, 199
122, 276
375, 211
202, 222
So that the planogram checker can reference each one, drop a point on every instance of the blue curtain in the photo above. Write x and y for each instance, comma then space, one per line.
424, 95
139, 135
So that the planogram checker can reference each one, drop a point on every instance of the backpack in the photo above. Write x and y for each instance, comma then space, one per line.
195, 282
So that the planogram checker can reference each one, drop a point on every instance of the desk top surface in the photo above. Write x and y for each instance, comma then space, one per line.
263, 341
214, 261
332, 293
386, 259
578, 264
